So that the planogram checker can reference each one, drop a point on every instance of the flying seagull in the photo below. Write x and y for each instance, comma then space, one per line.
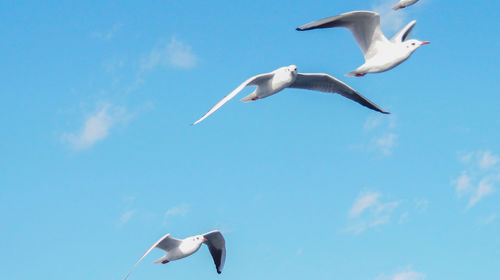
288, 77
403, 4
181, 248
380, 53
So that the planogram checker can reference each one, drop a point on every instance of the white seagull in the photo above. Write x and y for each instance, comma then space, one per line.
178, 249
380, 53
288, 77
403, 4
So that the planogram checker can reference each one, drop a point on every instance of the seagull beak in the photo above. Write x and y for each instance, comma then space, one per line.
425, 43
205, 240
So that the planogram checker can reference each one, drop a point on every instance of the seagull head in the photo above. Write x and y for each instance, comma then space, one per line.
199, 239
292, 68
413, 44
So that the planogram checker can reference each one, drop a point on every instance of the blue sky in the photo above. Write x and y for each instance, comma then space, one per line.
99, 160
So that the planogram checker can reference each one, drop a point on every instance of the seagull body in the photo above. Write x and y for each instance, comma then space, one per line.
180, 248
288, 77
381, 54
403, 4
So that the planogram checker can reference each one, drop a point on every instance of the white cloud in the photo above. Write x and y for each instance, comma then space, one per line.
179, 210
373, 121
387, 207
174, 53
462, 183
487, 160
368, 212
488, 220
382, 127
390, 20
485, 188
107, 35
466, 158
126, 216
364, 201
113, 65
421, 204
386, 142
96, 126
403, 218
379, 120
480, 176
407, 274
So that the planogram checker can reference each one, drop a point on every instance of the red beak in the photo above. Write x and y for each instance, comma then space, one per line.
205, 240
425, 43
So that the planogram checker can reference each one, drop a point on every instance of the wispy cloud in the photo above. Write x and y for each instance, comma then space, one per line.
363, 202
379, 121
125, 217
487, 160
488, 220
113, 65
174, 53
386, 142
179, 210
485, 188
421, 204
406, 274
462, 184
368, 212
390, 20
108, 34
479, 178
96, 126
384, 139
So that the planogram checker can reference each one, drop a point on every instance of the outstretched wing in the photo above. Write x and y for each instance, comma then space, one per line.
402, 35
217, 246
255, 80
364, 26
327, 83
166, 243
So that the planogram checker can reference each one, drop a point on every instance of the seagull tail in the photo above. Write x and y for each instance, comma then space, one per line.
161, 260
249, 98
397, 7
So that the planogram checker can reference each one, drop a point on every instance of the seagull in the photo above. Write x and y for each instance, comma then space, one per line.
288, 77
380, 53
403, 4
181, 248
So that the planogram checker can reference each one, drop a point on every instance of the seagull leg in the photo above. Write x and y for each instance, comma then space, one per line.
255, 98
165, 261
360, 74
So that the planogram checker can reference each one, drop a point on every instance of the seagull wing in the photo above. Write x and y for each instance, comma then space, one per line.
364, 26
398, 6
254, 81
165, 243
402, 35
327, 83
403, 4
217, 246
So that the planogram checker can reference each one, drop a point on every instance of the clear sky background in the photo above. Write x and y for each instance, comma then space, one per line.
98, 158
